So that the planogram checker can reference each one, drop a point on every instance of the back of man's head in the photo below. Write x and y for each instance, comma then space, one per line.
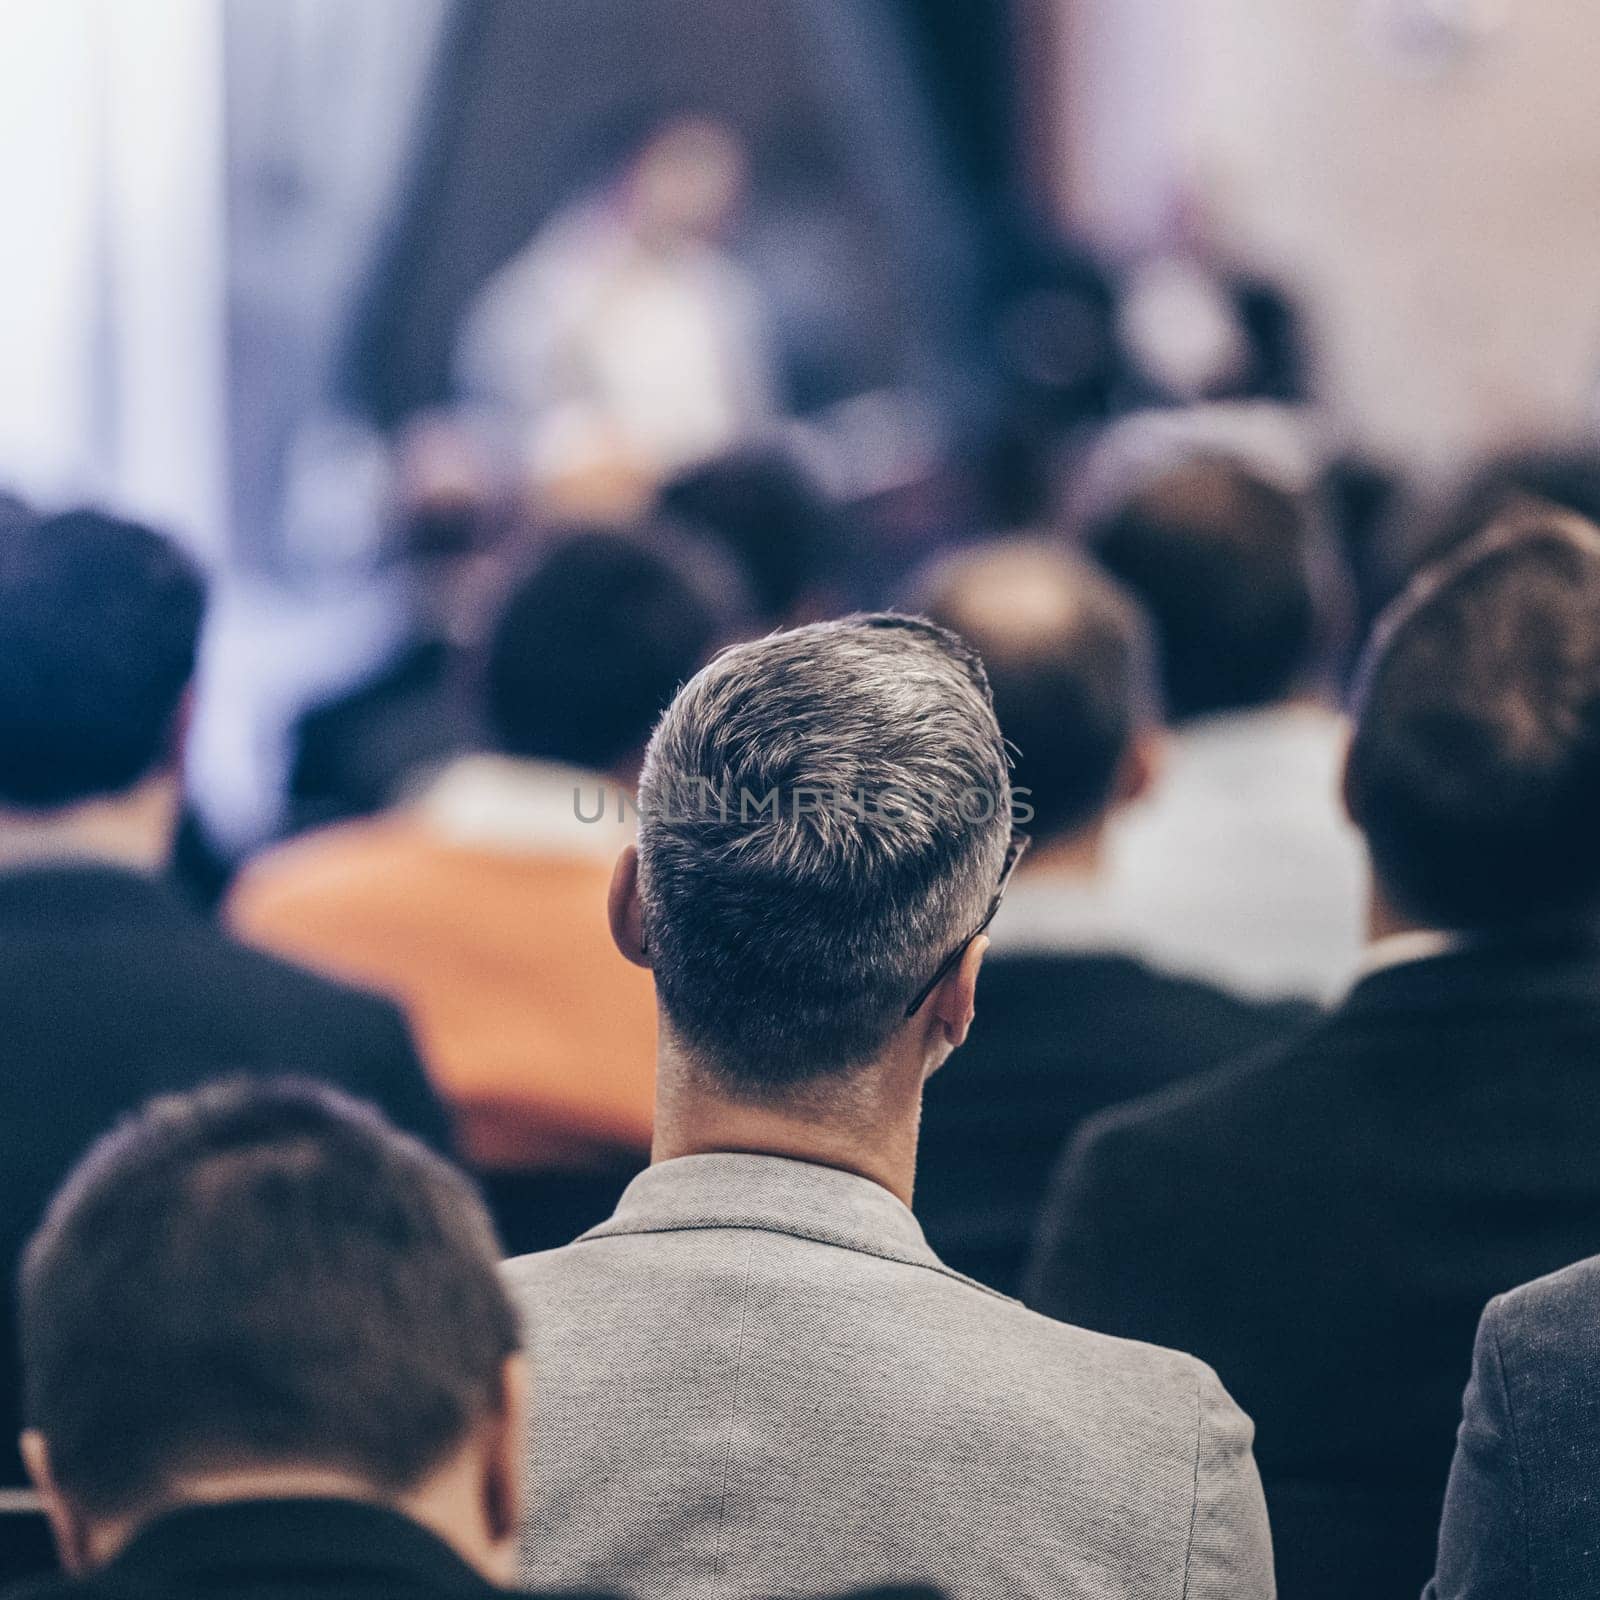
823, 818
1220, 557
594, 641
99, 626
253, 1277
1474, 769
1069, 658
771, 517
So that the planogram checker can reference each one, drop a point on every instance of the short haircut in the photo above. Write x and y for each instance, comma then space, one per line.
99, 626
770, 516
595, 640
258, 1274
1221, 559
1474, 769
788, 942
1069, 658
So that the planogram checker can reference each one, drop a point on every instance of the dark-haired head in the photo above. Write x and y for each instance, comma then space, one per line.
771, 517
263, 1288
1221, 559
591, 645
1474, 769
99, 628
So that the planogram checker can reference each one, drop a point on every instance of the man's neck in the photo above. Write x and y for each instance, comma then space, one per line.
446, 1505
133, 829
1386, 921
866, 1124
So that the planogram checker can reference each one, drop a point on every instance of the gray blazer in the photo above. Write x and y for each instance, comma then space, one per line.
757, 1379
1521, 1516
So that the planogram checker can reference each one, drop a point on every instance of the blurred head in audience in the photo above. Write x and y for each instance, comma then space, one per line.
99, 628
592, 644
1221, 559
772, 518
824, 818
1070, 661
686, 180
261, 1291
1474, 770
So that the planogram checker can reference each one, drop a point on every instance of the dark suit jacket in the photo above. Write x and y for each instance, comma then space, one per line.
1058, 1036
278, 1550
111, 990
1521, 1515
1324, 1224
295, 1550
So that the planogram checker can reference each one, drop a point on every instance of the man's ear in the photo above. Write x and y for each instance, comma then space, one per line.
955, 1001
67, 1525
624, 910
1140, 767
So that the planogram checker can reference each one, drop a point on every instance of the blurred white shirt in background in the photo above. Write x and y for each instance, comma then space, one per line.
1241, 866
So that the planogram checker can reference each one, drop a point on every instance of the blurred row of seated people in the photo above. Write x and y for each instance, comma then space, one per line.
479, 901
1322, 1222
756, 507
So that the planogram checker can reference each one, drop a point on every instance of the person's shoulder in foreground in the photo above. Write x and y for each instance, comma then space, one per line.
808, 1366
1521, 1520
757, 1367
266, 1352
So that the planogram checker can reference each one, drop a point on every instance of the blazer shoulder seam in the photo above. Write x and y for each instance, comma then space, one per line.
1194, 1501
1516, 1443
733, 1417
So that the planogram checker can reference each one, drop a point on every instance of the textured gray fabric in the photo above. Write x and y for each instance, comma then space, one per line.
757, 1379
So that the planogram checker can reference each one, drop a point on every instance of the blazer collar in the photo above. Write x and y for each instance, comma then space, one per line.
290, 1541
775, 1195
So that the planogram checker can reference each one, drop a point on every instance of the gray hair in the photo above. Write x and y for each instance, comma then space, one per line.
823, 818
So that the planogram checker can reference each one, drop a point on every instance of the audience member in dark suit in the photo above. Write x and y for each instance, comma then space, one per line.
1070, 1019
111, 987
1521, 1517
1325, 1223
267, 1352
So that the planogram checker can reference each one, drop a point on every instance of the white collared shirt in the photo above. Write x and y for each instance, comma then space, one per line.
1241, 867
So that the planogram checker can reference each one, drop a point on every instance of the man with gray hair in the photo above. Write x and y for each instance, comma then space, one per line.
757, 1378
